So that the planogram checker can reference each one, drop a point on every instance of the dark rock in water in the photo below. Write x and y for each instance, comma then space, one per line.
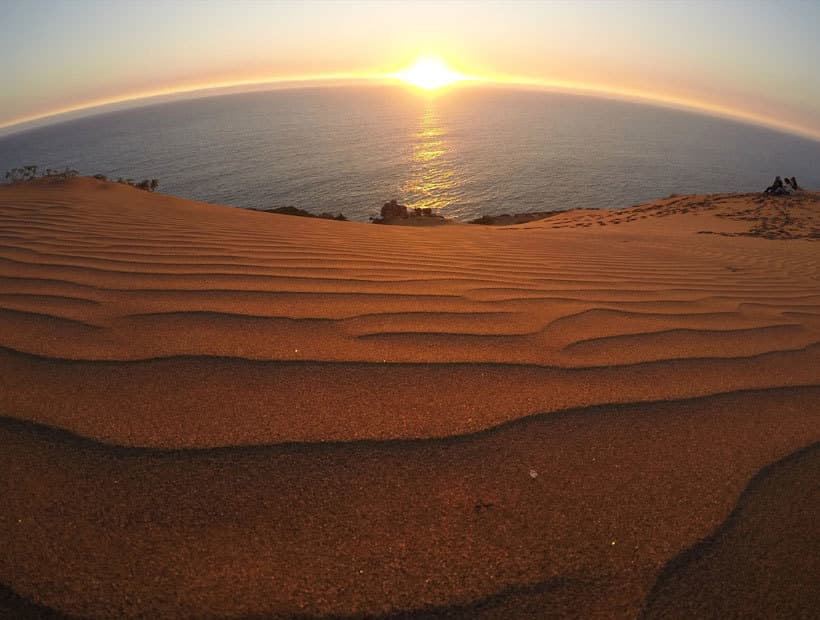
333, 216
393, 209
507, 219
290, 210
394, 213
487, 220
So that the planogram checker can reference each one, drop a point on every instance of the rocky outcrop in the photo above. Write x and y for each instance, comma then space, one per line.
290, 210
393, 209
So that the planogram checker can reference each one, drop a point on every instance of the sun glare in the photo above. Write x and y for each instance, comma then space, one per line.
430, 73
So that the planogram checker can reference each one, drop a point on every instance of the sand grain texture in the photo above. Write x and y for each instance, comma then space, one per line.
210, 412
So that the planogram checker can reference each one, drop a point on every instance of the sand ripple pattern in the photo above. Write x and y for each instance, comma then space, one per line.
308, 325
282, 417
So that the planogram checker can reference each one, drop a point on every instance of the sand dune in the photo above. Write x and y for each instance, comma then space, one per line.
765, 568
288, 417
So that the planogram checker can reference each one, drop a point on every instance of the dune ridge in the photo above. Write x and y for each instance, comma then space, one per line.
337, 506
289, 417
774, 481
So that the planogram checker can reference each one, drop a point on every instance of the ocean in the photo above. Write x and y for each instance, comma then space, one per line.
465, 153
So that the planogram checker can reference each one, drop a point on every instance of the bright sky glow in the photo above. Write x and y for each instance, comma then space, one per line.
430, 73
752, 60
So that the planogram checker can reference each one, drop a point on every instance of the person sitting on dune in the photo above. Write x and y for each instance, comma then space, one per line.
776, 187
787, 186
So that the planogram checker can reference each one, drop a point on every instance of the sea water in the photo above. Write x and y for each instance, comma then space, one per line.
465, 152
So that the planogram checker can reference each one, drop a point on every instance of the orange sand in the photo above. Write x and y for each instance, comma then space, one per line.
222, 413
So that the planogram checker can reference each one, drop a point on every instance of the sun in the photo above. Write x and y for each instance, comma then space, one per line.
430, 73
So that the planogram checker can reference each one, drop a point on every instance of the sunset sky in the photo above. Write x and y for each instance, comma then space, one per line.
752, 60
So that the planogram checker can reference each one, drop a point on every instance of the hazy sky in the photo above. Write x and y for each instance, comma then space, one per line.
751, 59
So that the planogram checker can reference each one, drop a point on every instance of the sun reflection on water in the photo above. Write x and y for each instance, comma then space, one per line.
432, 182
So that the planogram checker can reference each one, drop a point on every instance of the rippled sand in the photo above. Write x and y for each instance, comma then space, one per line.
217, 412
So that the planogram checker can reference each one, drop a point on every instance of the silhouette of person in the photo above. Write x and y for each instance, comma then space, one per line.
776, 187
787, 186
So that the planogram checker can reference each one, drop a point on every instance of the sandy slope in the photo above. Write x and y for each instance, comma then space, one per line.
226, 413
